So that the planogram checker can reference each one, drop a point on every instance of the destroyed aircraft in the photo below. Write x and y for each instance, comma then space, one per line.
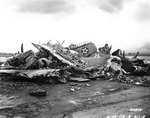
134, 65
52, 61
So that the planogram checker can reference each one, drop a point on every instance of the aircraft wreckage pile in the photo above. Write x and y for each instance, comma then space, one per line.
80, 62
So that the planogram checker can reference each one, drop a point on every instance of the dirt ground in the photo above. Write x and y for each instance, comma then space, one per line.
94, 99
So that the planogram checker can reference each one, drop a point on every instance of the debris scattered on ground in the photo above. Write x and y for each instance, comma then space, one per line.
74, 87
99, 93
80, 63
38, 92
88, 85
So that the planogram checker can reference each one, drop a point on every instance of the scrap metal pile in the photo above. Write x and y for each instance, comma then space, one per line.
54, 62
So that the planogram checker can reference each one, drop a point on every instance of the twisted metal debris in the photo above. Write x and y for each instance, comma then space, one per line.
62, 63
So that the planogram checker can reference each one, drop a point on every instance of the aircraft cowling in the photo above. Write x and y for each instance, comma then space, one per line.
44, 62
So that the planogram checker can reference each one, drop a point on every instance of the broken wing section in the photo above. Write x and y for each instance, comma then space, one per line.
58, 51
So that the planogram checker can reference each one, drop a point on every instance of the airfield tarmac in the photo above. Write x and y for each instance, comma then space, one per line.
94, 99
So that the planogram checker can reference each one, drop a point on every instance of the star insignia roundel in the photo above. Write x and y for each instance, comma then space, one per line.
85, 50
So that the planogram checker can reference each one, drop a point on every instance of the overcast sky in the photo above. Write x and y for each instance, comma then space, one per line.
124, 24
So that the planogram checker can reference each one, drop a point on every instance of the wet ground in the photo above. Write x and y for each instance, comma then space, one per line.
94, 99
